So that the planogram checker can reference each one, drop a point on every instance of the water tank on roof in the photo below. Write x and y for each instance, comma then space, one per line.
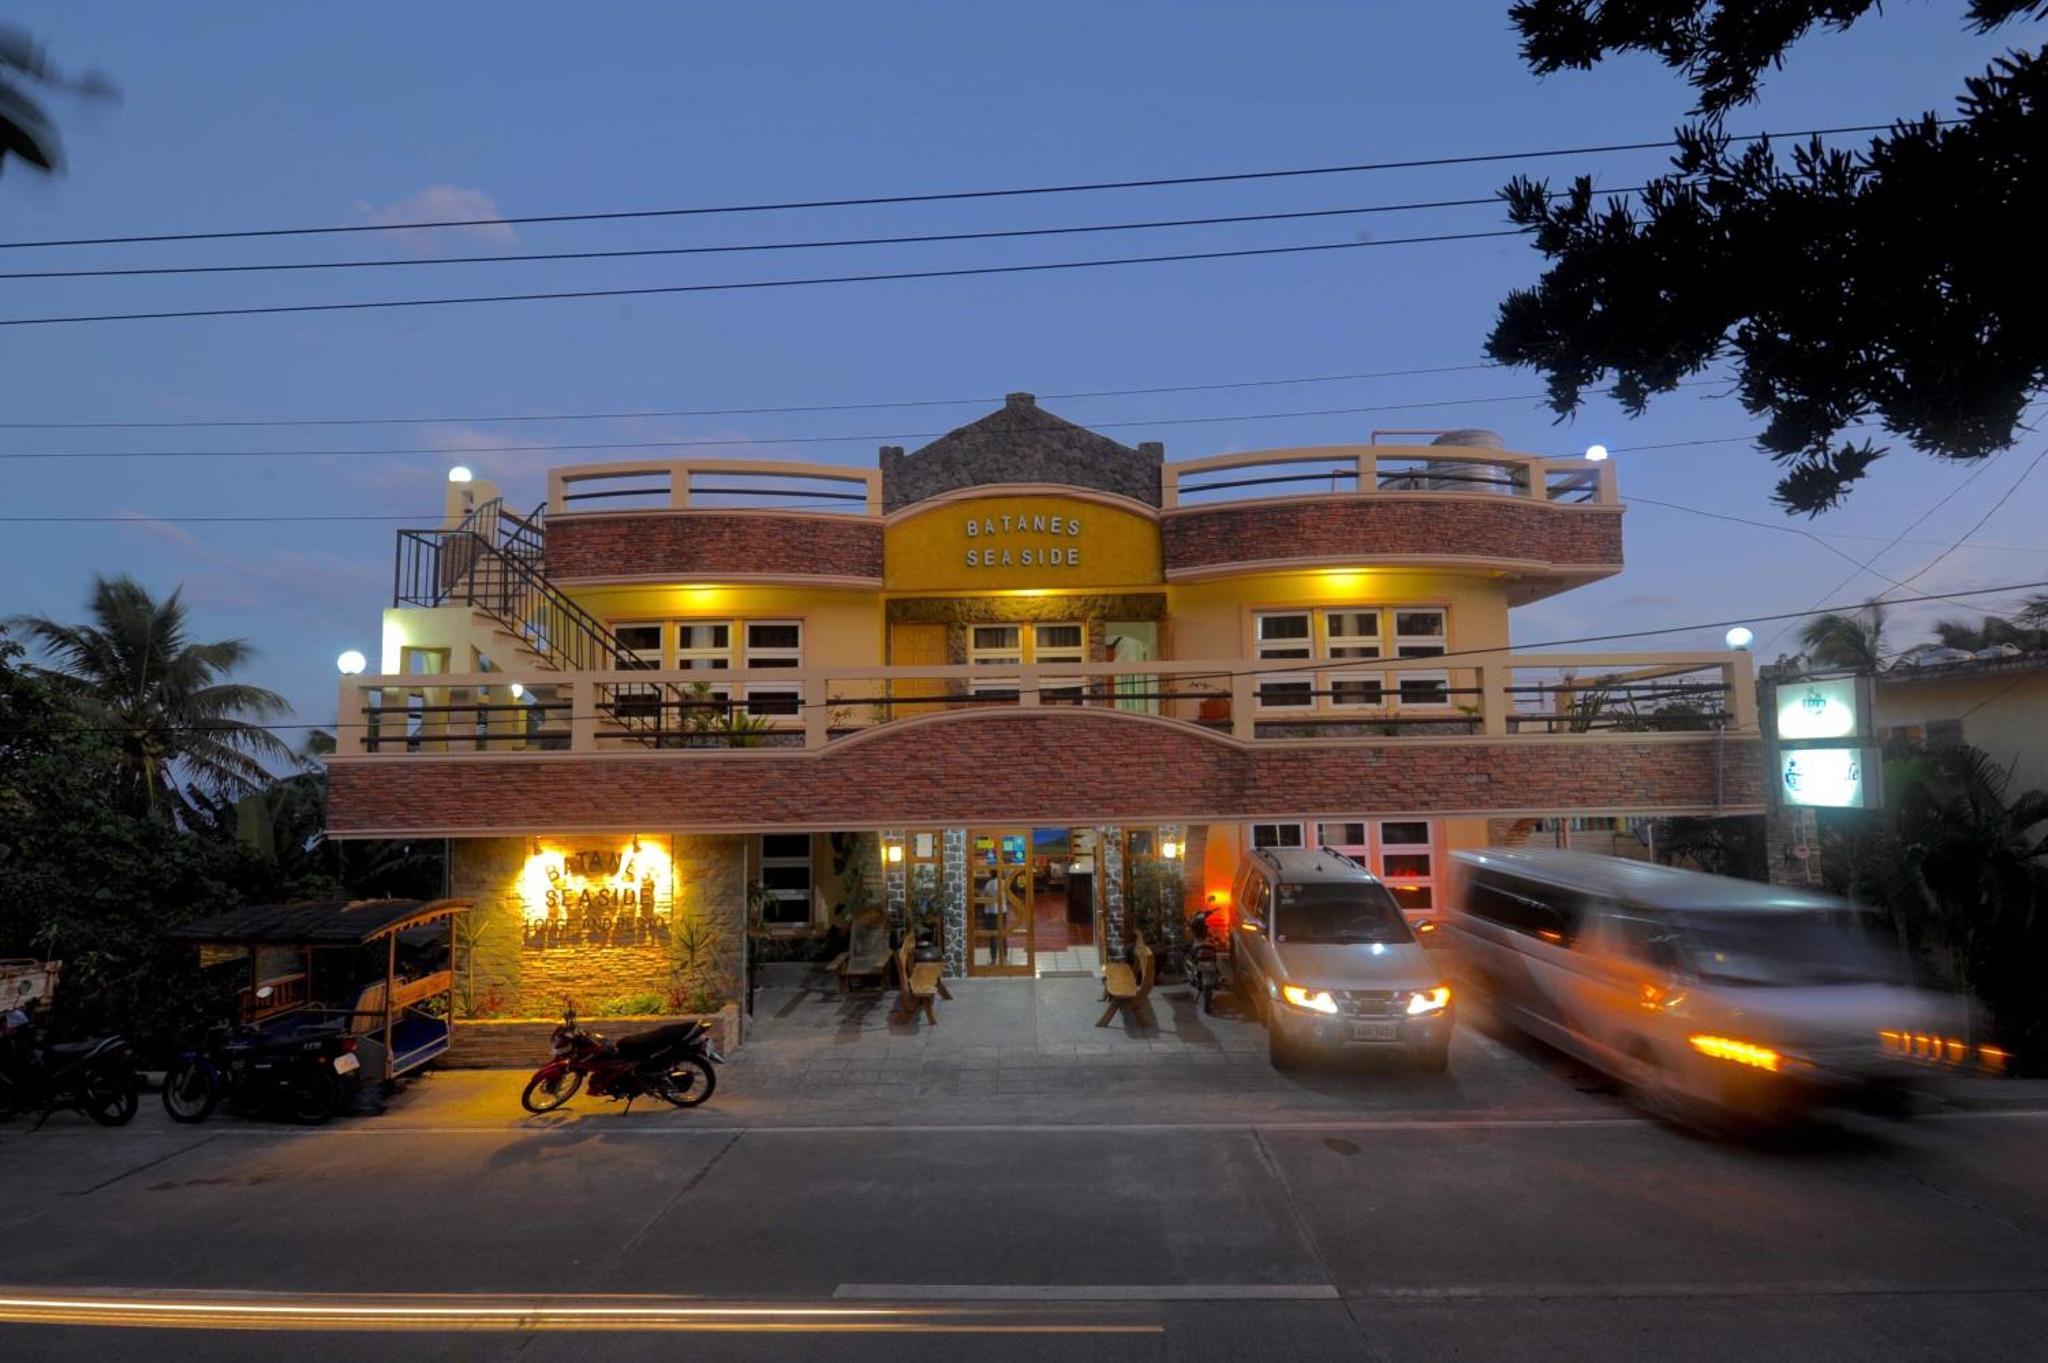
1448, 475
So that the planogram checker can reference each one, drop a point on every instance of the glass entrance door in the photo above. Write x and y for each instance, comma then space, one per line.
999, 901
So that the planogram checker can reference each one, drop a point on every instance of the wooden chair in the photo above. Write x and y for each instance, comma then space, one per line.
1126, 987
866, 957
921, 985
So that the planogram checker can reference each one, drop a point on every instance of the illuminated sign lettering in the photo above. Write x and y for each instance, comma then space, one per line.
1829, 778
1018, 551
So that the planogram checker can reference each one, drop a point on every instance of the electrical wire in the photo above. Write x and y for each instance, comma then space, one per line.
944, 196
129, 272
729, 442
745, 285
502, 418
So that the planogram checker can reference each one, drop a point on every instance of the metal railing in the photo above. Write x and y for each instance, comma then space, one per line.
494, 561
1377, 469
1497, 694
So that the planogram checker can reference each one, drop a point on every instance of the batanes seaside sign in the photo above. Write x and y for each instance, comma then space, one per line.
1026, 540
1021, 542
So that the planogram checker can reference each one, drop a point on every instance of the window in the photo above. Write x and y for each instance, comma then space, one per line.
1342, 836
786, 878
1285, 636
774, 700
775, 643
1276, 835
703, 646
1013, 645
640, 642
1353, 633
1407, 863
1056, 644
1420, 634
1521, 908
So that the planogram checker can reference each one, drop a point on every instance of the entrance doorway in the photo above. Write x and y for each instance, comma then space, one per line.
999, 902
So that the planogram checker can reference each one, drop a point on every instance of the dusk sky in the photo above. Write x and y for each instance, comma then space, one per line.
267, 116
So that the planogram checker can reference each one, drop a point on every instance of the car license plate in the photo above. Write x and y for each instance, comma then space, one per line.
1375, 1031
346, 1064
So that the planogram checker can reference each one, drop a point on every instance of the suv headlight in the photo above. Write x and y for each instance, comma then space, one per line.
1313, 1000
1429, 1000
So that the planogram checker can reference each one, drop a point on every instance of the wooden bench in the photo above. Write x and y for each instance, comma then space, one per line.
1127, 987
921, 984
866, 958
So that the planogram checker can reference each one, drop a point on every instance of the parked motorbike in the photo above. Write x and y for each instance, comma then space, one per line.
1205, 965
308, 1073
673, 1063
97, 1077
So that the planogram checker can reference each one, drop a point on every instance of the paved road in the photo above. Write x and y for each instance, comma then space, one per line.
870, 1192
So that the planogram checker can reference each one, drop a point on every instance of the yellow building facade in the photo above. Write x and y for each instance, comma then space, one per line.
1026, 693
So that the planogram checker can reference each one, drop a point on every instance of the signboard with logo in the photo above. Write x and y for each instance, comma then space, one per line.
1829, 708
1822, 751
1829, 777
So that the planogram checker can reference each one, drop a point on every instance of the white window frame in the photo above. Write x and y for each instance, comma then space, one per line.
1421, 646
1382, 849
782, 702
767, 655
1303, 650
704, 659
1251, 834
806, 896
1062, 692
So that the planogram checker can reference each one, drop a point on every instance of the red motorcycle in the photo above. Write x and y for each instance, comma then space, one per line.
673, 1063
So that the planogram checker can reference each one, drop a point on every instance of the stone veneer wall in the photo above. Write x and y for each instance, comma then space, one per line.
1109, 845
953, 877
499, 975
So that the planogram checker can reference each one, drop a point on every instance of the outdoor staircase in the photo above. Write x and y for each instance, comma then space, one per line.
495, 562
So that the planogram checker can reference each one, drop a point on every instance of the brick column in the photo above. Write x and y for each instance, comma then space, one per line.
953, 885
1111, 841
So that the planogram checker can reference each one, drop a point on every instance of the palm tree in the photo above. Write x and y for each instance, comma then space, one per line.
162, 698
1993, 630
25, 130
1848, 641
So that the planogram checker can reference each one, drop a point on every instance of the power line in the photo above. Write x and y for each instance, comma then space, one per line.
675, 444
1916, 523
918, 239
869, 201
744, 285
204, 423
2003, 498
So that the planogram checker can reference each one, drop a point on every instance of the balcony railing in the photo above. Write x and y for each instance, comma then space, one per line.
1500, 694
1347, 469
714, 485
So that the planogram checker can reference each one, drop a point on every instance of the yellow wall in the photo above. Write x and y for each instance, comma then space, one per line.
976, 545
1212, 619
2004, 712
841, 628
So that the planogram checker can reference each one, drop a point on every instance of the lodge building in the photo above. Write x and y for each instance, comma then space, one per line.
1027, 690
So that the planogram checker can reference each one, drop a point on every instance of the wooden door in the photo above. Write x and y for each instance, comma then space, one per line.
999, 902
916, 644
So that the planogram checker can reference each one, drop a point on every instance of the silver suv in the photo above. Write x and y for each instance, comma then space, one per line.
1322, 951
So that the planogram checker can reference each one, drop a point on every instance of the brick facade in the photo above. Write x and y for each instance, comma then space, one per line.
696, 545
1060, 767
1367, 529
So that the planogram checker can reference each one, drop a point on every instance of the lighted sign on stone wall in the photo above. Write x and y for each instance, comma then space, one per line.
1828, 778
597, 894
1817, 709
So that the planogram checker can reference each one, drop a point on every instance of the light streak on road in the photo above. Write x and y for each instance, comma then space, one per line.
322, 1311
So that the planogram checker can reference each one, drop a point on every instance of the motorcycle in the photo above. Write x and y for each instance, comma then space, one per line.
97, 1077
673, 1063
308, 1072
1205, 965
